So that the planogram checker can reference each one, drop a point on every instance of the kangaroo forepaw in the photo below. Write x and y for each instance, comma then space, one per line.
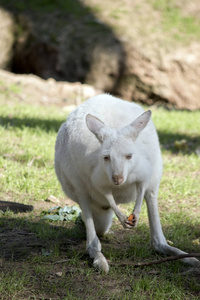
129, 223
132, 219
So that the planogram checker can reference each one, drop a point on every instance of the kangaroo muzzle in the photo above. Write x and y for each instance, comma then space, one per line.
117, 179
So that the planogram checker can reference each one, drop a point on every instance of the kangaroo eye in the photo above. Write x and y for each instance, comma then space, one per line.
129, 156
106, 157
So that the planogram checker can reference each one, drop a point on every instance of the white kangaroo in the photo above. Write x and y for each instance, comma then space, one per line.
107, 152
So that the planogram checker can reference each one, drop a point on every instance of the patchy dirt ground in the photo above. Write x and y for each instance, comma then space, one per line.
51, 262
52, 273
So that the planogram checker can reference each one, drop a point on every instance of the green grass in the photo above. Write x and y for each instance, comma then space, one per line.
27, 139
10, 89
174, 22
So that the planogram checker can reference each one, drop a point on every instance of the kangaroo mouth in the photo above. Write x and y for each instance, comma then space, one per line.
118, 181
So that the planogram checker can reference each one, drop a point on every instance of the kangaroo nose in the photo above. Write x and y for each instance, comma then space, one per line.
117, 179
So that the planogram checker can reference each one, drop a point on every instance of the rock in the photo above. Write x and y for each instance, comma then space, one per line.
174, 80
6, 38
67, 52
106, 50
59, 274
182, 69
53, 199
36, 90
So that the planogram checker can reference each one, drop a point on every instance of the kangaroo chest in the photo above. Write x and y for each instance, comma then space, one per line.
120, 194
125, 194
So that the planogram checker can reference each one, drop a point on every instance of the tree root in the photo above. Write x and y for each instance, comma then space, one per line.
156, 262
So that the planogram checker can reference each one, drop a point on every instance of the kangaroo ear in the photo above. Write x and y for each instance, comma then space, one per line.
137, 125
95, 126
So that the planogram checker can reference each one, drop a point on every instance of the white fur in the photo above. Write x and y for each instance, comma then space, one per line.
94, 166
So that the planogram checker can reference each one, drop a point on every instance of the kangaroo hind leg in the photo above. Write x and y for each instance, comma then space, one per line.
93, 245
102, 217
158, 240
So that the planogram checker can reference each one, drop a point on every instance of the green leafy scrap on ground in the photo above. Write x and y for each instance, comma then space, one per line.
65, 213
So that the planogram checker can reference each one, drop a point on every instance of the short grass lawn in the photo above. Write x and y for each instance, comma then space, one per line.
40, 259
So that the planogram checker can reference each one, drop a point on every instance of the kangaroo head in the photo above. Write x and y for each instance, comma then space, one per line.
117, 145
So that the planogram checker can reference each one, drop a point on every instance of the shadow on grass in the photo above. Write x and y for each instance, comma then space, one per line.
14, 206
39, 248
178, 142
167, 139
21, 123
20, 236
